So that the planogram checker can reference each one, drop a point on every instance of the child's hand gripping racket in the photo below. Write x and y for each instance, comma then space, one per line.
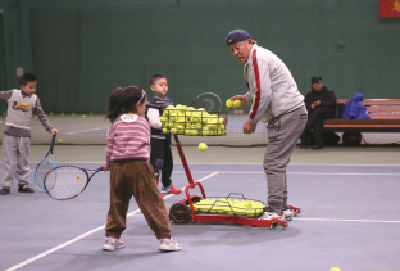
44, 166
67, 182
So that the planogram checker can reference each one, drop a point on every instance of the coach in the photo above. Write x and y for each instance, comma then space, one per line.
274, 98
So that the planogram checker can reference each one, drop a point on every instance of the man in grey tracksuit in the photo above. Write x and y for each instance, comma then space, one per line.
274, 98
17, 132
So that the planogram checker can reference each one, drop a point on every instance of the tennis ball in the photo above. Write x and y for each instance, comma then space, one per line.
1, 121
229, 103
60, 141
203, 147
188, 132
170, 106
172, 116
165, 130
193, 132
51, 113
238, 103
73, 114
83, 116
174, 131
62, 114
211, 132
335, 269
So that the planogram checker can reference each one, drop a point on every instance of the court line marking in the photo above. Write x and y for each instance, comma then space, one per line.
69, 242
90, 130
294, 164
396, 174
344, 220
310, 173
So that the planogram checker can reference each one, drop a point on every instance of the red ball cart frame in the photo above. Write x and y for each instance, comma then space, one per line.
180, 212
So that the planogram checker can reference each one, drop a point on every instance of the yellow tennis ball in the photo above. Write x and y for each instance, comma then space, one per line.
60, 141
193, 132
238, 103
174, 131
229, 103
203, 147
335, 269
165, 130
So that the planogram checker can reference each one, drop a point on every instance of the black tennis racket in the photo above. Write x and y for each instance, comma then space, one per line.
207, 100
44, 166
67, 182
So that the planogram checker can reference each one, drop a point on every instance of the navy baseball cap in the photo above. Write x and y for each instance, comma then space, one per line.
237, 35
316, 79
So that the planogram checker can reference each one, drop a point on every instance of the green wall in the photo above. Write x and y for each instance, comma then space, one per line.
82, 49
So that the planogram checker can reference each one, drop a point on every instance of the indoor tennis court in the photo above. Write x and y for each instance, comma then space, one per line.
82, 50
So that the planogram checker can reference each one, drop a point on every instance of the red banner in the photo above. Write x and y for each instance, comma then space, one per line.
389, 8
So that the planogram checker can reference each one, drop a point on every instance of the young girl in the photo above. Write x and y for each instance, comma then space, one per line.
131, 174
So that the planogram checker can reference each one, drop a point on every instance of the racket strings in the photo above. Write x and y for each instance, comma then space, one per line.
41, 170
65, 182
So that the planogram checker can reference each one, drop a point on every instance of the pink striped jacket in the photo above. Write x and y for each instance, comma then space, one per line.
128, 140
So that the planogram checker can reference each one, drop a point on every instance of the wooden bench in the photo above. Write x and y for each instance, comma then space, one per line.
384, 114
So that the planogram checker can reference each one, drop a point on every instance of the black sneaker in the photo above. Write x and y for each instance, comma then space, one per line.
25, 189
5, 191
318, 146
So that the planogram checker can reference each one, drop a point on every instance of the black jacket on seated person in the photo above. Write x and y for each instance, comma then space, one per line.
325, 110
326, 96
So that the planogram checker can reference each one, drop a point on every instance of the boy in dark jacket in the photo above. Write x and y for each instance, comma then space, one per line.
160, 144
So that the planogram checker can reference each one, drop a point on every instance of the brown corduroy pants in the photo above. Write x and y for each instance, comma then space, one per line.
136, 178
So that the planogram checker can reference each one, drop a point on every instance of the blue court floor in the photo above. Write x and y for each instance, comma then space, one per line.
350, 218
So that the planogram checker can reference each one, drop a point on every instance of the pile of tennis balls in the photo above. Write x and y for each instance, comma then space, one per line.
247, 208
182, 120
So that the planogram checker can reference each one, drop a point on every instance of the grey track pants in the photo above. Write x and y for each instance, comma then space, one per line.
282, 138
16, 148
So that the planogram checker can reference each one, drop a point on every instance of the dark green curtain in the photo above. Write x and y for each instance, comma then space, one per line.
80, 54
2, 64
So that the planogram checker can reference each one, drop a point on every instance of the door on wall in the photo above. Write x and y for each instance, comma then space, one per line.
2, 63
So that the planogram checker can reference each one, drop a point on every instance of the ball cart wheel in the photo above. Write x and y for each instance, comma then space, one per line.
180, 213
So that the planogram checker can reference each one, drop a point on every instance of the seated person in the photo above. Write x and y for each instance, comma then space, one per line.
321, 104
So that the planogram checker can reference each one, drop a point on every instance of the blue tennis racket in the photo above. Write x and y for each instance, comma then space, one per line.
46, 165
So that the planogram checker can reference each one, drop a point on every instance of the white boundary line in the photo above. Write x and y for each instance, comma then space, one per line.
295, 164
343, 220
52, 250
90, 130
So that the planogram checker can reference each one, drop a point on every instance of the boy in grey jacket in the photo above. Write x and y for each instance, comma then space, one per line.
17, 132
